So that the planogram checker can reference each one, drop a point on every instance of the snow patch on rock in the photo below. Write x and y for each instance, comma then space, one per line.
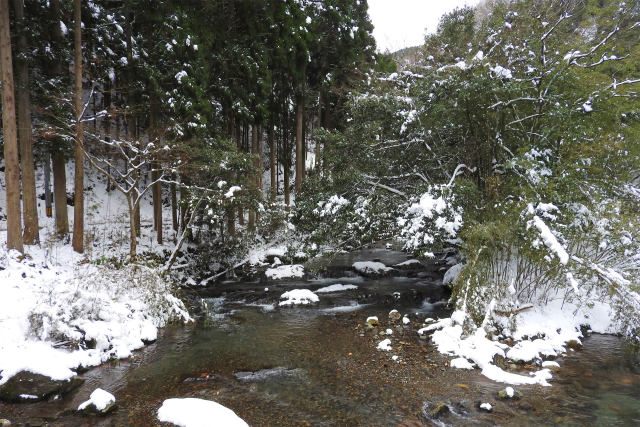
191, 412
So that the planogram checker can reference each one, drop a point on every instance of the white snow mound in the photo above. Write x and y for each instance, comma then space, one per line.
298, 297
336, 288
191, 412
369, 267
99, 398
285, 271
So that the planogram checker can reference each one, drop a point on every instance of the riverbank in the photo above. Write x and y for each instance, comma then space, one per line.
319, 365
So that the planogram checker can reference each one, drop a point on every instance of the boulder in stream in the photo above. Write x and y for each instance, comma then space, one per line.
508, 393
373, 269
100, 402
25, 387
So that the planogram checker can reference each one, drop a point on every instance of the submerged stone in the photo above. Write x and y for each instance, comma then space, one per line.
440, 410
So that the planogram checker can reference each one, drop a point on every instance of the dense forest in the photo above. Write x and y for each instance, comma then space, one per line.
176, 99
232, 131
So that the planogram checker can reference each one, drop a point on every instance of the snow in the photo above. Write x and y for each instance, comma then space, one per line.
486, 406
479, 349
298, 297
285, 271
385, 345
510, 391
52, 298
550, 364
229, 194
28, 396
408, 263
191, 412
461, 363
452, 274
587, 107
44, 300
372, 319
369, 267
353, 306
336, 288
479, 56
405, 320
553, 325
389, 331
99, 398
331, 207
501, 72
550, 240
461, 64
181, 75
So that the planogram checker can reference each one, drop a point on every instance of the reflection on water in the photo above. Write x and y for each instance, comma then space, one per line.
599, 385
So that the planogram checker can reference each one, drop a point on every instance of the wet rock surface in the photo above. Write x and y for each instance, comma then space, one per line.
27, 387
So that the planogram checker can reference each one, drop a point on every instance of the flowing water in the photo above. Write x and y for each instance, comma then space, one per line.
318, 365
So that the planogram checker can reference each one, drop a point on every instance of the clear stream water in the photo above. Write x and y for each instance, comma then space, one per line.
318, 366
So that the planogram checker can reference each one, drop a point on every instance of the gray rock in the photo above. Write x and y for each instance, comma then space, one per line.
26, 387
92, 410
409, 265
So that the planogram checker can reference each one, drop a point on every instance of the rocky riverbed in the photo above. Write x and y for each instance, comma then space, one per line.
320, 364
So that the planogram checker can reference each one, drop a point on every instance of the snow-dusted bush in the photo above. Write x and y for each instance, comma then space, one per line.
104, 307
56, 317
434, 219
579, 255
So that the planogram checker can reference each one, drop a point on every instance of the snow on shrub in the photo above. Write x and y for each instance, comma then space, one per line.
331, 206
434, 218
58, 317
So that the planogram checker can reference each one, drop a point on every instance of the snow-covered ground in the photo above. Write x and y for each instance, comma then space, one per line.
542, 332
60, 310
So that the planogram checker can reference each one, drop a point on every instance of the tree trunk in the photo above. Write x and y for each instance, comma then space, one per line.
57, 158
29, 204
78, 204
299, 143
255, 180
174, 205
260, 158
60, 193
240, 142
47, 187
287, 189
10, 134
272, 163
106, 100
156, 191
133, 235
